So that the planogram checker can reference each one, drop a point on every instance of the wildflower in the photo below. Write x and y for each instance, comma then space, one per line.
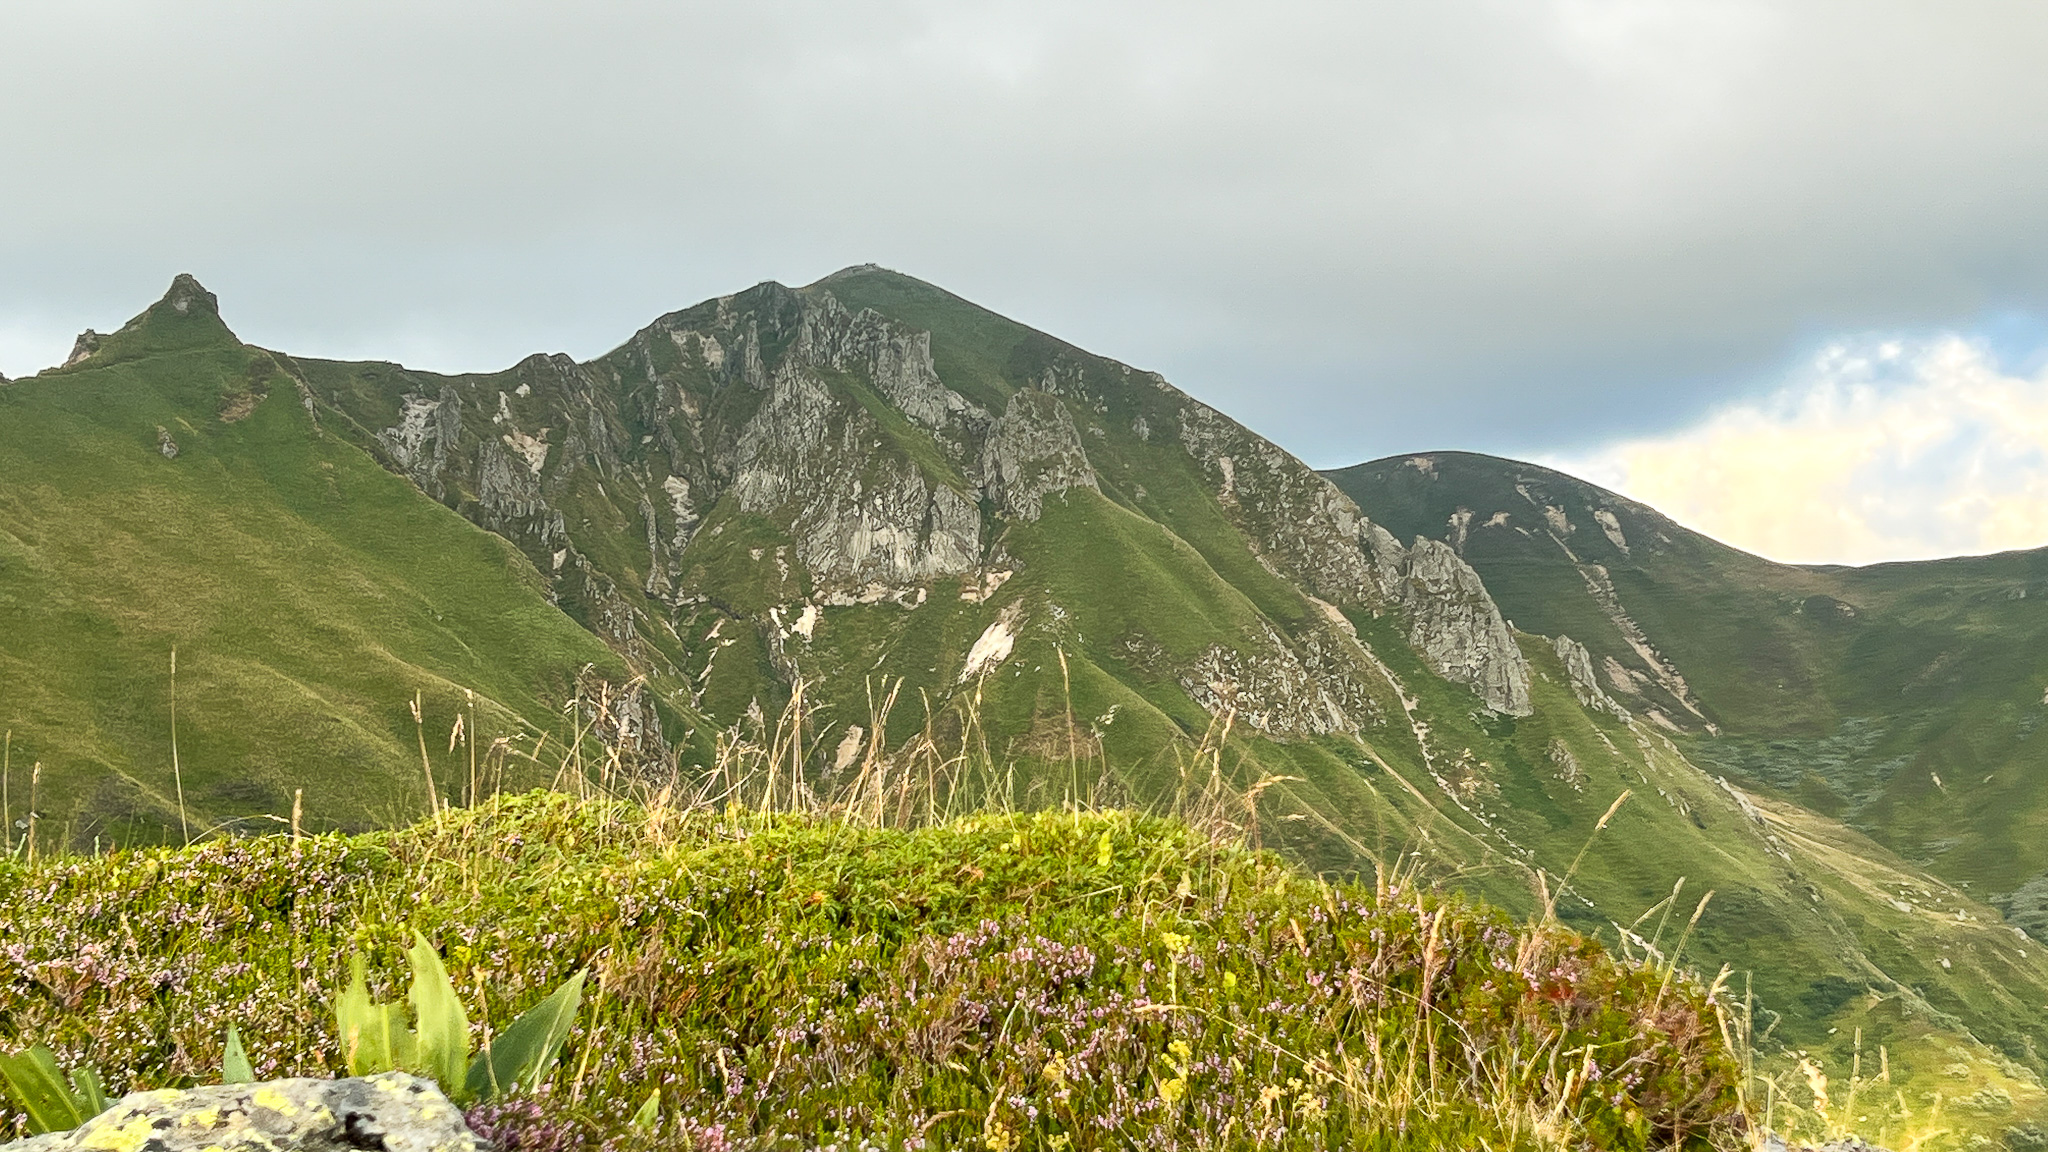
1173, 941
1229, 981
1172, 1090
1058, 1141
996, 1136
1269, 1095
1181, 1052
1055, 1070
1102, 851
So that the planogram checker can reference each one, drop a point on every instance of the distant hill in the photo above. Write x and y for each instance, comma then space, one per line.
1064, 565
1902, 698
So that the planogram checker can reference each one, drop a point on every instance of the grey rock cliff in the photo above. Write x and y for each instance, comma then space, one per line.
1456, 628
1578, 665
1303, 527
1033, 452
88, 342
392, 1111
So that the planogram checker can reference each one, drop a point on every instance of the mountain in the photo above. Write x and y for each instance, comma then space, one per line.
1068, 574
1901, 698
171, 488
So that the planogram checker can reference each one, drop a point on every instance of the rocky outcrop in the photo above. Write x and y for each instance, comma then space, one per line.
897, 360
1578, 666
1309, 532
1033, 452
1273, 687
188, 294
393, 1112
428, 432
1302, 526
88, 342
1456, 628
859, 514
897, 528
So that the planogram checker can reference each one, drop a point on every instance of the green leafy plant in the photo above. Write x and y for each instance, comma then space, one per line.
53, 1102
234, 1065
375, 1036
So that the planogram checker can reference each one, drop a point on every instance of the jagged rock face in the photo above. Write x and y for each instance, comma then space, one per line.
1305, 529
428, 430
392, 1111
897, 361
1315, 535
858, 476
862, 515
1578, 665
1454, 625
1033, 452
88, 342
1313, 688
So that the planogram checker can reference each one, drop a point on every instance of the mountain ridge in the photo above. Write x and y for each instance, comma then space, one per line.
870, 487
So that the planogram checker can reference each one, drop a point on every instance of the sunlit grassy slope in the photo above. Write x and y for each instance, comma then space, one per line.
309, 594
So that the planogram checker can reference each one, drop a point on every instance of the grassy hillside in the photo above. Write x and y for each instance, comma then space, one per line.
1901, 698
1044, 982
309, 594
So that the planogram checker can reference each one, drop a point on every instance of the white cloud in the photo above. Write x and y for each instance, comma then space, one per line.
1362, 226
1878, 449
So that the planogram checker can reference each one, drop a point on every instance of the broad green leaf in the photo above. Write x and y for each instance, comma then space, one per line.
234, 1066
38, 1088
443, 1025
522, 1055
649, 1114
374, 1037
88, 1093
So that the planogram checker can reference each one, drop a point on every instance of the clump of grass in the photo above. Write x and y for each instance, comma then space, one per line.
1059, 979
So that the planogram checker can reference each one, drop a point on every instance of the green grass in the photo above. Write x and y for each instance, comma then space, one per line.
1033, 981
309, 594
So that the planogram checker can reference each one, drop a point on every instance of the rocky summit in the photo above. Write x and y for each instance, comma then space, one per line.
812, 502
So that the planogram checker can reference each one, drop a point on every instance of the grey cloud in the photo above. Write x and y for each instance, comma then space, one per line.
1363, 228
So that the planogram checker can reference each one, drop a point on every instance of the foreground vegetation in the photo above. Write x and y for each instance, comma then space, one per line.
1002, 981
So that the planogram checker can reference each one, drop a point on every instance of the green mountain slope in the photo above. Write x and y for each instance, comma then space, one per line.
1075, 579
1902, 698
171, 490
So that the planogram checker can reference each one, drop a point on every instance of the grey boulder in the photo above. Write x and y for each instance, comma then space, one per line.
392, 1112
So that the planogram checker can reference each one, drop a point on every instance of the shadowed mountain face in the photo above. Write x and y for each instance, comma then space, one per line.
869, 485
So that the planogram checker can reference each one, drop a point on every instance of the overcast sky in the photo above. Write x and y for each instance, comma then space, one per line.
1598, 233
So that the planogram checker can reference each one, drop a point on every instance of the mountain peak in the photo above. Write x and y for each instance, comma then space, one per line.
188, 316
187, 293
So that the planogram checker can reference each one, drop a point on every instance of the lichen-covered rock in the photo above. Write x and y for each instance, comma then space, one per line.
393, 1112
1033, 452
1456, 628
